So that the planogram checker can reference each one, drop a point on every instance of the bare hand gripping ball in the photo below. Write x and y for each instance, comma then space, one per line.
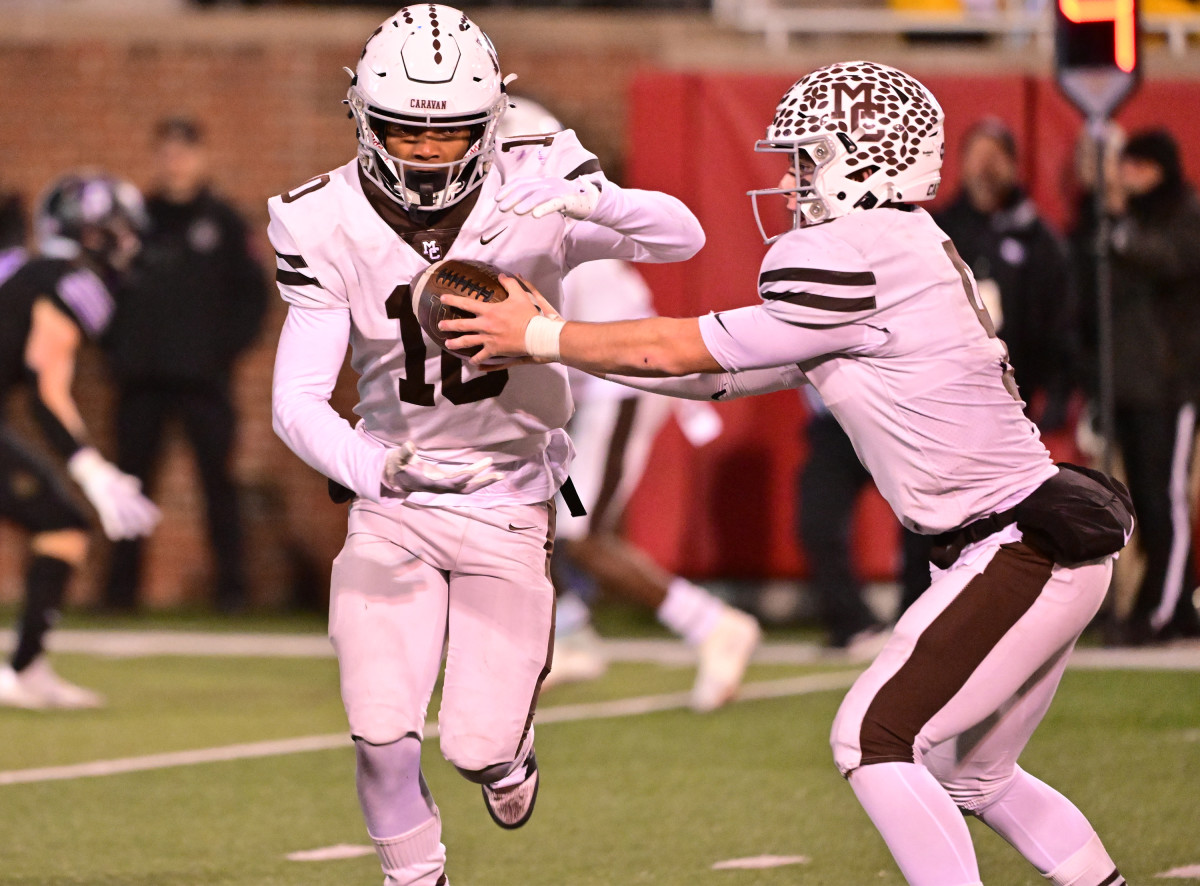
473, 279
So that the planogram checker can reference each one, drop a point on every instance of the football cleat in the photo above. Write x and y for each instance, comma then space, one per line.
13, 693
724, 655
41, 682
510, 806
578, 657
866, 644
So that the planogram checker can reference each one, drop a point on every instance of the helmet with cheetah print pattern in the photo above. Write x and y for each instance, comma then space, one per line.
859, 134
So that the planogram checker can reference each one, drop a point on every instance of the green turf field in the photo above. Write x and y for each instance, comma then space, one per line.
650, 798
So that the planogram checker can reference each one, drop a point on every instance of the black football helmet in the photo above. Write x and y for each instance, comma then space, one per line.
92, 214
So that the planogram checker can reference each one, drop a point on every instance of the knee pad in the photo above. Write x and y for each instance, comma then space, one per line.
973, 789
861, 743
378, 725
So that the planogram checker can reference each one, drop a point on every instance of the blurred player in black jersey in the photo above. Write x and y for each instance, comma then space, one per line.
87, 228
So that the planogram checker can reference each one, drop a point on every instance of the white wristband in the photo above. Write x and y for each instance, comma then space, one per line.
541, 338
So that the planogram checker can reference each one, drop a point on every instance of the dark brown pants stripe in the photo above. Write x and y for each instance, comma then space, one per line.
949, 650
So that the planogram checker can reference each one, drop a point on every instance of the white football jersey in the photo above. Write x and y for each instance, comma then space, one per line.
335, 253
884, 318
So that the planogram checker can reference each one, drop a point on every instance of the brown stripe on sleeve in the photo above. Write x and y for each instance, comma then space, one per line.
823, 302
950, 649
587, 167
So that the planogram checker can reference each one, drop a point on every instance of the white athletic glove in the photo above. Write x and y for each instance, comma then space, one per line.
406, 471
576, 198
117, 497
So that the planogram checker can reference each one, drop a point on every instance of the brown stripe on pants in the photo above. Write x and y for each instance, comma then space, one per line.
949, 650
614, 464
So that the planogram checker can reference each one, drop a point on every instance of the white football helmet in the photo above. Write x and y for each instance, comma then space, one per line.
858, 134
429, 66
526, 117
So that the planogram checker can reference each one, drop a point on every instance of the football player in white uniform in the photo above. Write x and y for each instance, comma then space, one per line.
868, 299
613, 430
453, 470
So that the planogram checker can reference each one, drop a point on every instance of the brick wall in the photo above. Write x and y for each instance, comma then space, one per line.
269, 88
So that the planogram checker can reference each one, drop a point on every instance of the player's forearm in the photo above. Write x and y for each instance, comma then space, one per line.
326, 442
662, 227
658, 346
58, 417
311, 347
722, 386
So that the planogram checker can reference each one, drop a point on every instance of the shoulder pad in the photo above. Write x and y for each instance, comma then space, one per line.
552, 155
814, 277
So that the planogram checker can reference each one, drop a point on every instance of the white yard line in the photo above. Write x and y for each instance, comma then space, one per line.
624, 707
135, 644
663, 652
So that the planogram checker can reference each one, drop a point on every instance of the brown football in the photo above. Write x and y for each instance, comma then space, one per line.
456, 276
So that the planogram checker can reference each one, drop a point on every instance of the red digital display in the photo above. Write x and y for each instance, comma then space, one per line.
1120, 16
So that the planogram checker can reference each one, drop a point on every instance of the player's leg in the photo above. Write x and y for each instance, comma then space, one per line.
979, 770
387, 619
210, 423
501, 625
140, 423
959, 655
613, 439
33, 496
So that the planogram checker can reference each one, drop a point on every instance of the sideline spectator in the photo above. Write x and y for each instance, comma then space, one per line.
1020, 267
193, 305
87, 233
828, 487
1156, 363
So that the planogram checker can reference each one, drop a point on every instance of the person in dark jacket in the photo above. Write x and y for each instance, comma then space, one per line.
1156, 361
1020, 266
194, 304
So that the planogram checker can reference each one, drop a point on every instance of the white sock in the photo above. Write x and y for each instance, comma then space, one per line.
1043, 825
689, 611
415, 858
919, 822
571, 614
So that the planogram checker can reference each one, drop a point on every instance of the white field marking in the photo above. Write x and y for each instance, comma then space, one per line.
625, 707
331, 853
759, 862
1191, 872
133, 644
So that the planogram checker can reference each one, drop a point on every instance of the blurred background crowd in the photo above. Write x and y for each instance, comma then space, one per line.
211, 108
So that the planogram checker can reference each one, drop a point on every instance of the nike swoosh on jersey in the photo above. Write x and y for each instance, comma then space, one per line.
484, 241
512, 527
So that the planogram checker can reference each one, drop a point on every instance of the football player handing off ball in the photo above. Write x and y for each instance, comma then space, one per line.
869, 300
453, 469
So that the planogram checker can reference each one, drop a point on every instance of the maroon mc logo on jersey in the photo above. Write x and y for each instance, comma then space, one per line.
858, 96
